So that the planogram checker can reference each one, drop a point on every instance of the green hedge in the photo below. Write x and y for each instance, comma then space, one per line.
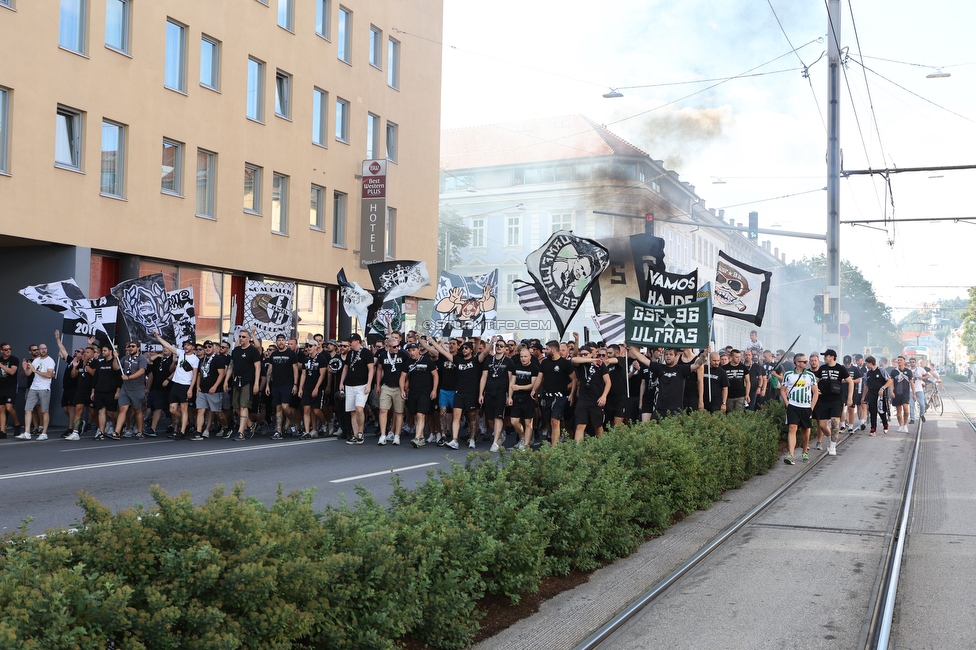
235, 573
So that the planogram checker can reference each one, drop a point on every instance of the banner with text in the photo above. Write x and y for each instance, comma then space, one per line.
631, 259
665, 288
372, 230
268, 307
678, 326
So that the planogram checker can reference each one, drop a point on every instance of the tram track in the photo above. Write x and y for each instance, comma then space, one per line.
875, 631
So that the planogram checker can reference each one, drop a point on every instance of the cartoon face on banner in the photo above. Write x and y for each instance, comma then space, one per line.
271, 309
146, 305
730, 287
465, 309
567, 271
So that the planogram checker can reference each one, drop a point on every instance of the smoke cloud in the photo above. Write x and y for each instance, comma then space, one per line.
677, 136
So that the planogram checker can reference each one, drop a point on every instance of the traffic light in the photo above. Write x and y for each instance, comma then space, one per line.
754, 226
649, 223
818, 309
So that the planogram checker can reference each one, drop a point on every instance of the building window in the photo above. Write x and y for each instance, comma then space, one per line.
4, 95
477, 233
286, 14
117, 25
316, 208
375, 47
255, 90
342, 120
391, 232
206, 182
175, 73
513, 231
511, 298
343, 42
391, 141
320, 100
338, 219
210, 63
252, 189
279, 204
72, 27
67, 145
283, 94
393, 63
113, 159
322, 14
562, 222
372, 136
172, 172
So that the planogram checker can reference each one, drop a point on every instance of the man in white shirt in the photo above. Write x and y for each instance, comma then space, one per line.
181, 384
42, 368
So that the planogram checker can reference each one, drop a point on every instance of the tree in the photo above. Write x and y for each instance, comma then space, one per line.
871, 323
452, 236
969, 323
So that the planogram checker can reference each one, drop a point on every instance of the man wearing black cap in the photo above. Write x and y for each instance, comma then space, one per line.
836, 392
357, 376
283, 381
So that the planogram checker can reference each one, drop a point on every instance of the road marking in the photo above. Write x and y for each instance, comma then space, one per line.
389, 471
97, 447
154, 459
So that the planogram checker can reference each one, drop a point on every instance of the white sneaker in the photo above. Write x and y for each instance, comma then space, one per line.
832, 449
521, 445
432, 438
494, 447
73, 436
43, 436
382, 440
396, 440
453, 444
471, 444
24, 436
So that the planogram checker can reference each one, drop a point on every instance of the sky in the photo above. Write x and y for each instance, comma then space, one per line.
764, 135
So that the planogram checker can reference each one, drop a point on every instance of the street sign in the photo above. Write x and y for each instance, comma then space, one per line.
845, 317
844, 329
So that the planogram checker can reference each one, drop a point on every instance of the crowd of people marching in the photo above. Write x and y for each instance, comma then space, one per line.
442, 391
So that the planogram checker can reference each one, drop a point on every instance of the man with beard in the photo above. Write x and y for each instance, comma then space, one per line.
717, 391
671, 378
282, 382
650, 379
524, 383
592, 387
107, 384
495, 390
557, 383
210, 393
357, 377
9, 367
468, 368
82, 398
850, 421
133, 367
756, 378
738, 383
418, 388
389, 366
836, 392
799, 392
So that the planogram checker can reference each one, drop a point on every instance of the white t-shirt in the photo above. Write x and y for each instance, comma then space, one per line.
182, 376
918, 384
42, 364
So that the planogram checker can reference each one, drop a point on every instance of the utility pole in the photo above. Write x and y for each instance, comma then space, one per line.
831, 335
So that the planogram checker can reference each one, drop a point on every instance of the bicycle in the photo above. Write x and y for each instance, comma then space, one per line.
934, 403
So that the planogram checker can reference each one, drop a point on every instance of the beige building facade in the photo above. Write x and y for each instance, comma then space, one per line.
214, 141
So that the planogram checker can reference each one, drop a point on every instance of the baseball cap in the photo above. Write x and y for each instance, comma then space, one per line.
208, 342
280, 336
355, 337
412, 346
830, 352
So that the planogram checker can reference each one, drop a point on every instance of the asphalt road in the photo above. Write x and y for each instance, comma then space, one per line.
40, 481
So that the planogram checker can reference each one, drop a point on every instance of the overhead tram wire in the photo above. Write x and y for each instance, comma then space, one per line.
915, 94
806, 68
867, 86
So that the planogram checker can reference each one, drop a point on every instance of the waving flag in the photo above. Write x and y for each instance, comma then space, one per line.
740, 290
82, 317
145, 308
269, 307
356, 301
465, 305
679, 326
665, 288
392, 280
631, 259
529, 299
180, 304
611, 327
564, 270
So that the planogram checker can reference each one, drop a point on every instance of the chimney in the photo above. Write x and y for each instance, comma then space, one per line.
721, 214
765, 245
776, 252
784, 258
712, 210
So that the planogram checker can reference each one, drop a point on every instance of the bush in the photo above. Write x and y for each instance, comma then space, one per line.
236, 573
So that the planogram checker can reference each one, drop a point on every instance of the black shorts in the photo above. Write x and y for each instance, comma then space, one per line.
281, 395
553, 407
589, 413
800, 416
158, 400
178, 394
419, 402
523, 406
466, 402
900, 400
647, 405
67, 397
8, 395
495, 405
105, 401
82, 397
307, 400
295, 401
616, 406
826, 410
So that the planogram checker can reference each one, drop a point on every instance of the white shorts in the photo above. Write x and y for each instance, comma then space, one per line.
356, 397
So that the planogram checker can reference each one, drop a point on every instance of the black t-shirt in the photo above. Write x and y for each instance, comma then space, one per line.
358, 367
393, 365
737, 382
420, 374
243, 360
310, 372
875, 380
468, 374
446, 373
107, 379
716, 379
159, 367
69, 384
591, 383
282, 367
618, 379
755, 372
830, 383
856, 373
555, 376
497, 371
671, 386
84, 381
209, 369
8, 381
524, 375
903, 381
